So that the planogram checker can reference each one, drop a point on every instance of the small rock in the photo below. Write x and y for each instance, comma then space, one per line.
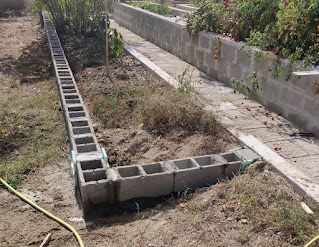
244, 221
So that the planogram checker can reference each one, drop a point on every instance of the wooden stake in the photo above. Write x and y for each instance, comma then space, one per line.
107, 39
306, 208
46, 240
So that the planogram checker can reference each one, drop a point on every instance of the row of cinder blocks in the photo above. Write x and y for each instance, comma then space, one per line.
162, 178
89, 164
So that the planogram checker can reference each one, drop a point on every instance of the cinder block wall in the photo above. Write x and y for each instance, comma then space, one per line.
12, 4
294, 99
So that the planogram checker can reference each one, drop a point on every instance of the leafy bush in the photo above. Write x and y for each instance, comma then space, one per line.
287, 28
76, 16
161, 9
83, 18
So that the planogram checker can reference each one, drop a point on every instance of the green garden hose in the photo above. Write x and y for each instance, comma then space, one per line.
61, 222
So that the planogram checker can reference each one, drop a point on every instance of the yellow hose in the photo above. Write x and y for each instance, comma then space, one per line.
312, 241
45, 212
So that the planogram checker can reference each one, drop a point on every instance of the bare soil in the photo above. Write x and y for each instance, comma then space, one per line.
240, 212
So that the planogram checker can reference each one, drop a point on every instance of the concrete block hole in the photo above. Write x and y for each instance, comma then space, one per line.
154, 168
69, 91
94, 175
72, 101
68, 87
75, 108
184, 164
230, 157
79, 131
60, 61
76, 114
206, 160
67, 82
84, 140
86, 148
130, 171
71, 96
79, 123
92, 164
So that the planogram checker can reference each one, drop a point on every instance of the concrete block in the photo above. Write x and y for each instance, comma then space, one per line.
229, 52
211, 169
304, 80
223, 66
97, 192
129, 182
247, 154
296, 100
205, 43
232, 165
310, 105
244, 59
187, 175
159, 180
12, 4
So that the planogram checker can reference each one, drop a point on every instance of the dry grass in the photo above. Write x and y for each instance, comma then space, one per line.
263, 203
160, 108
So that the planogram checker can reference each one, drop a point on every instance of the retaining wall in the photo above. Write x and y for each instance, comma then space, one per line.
294, 99
12, 4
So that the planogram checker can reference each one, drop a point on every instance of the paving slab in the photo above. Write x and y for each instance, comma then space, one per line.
231, 110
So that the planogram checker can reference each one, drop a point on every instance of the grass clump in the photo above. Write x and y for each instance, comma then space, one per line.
160, 108
269, 203
161, 9
32, 130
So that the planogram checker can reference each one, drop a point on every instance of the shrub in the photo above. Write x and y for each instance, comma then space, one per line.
288, 29
161, 9
83, 18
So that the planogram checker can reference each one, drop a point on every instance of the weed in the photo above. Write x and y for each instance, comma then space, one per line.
185, 82
161, 9
243, 237
295, 223
33, 134
13, 84
160, 109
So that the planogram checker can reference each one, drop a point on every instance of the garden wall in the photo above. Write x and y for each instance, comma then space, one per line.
294, 99
12, 4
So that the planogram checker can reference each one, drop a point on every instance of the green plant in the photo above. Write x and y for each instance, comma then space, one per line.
249, 84
185, 82
294, 222
32, 131
243, 237
83, 18
75, 16
288, 29
161, 9
116, 43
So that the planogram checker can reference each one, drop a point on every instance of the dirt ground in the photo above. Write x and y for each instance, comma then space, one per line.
215, 216
132, 144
